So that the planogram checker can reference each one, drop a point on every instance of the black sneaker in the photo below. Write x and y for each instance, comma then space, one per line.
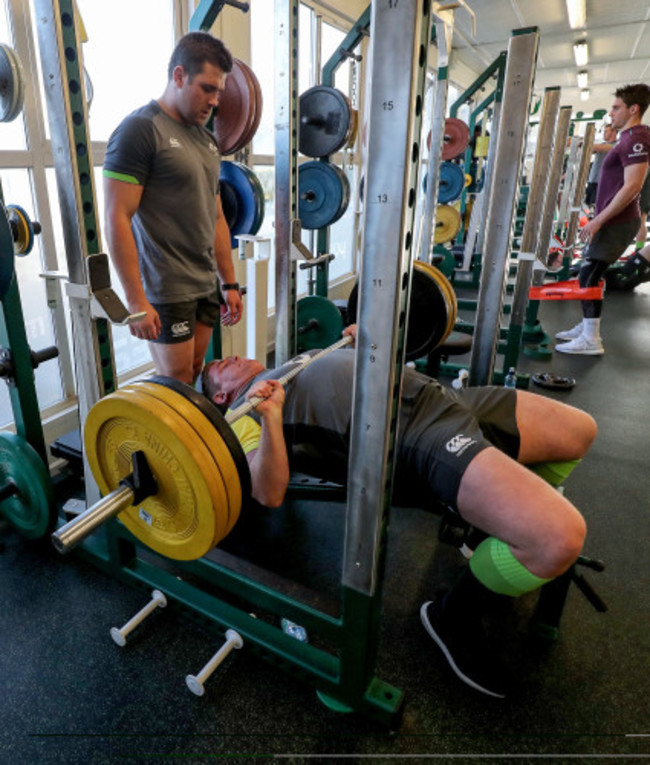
465, 650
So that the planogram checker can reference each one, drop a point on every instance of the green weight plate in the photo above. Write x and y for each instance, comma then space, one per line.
323, 194
324, 121
444, 259
319, 323
6, 253
31, 508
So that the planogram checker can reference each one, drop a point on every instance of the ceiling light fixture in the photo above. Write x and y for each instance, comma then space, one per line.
581, 52
584, 94
583, 79
577, 13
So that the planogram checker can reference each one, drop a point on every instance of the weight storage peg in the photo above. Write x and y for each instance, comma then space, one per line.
195, 682
120, 634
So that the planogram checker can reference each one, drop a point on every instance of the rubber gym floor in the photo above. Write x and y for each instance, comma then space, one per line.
70, 695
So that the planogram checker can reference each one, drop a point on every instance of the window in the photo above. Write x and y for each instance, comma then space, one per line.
125, 57
126, 67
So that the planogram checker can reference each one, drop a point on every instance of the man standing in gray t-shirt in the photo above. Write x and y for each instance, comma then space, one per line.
167, 233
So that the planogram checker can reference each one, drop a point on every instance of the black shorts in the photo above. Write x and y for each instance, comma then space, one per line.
590, 194
445, 431
610, 242
178, 320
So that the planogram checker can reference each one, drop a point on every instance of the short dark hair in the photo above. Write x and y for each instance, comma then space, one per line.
638, 94
208, 386
194, 49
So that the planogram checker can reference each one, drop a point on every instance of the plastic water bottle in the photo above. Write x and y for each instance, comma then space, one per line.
510, 380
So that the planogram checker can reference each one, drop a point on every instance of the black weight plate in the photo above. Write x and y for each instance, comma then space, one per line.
209, 410
427, 322
31, 508
324, 121
323, 194
229, 203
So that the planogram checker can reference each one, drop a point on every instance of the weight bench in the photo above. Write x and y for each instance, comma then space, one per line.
453, 530
457, 344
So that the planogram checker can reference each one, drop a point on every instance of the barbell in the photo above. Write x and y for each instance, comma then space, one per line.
169, 464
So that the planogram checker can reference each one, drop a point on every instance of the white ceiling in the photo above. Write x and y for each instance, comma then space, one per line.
618, 35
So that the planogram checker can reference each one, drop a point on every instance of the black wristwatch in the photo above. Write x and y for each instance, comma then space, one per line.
230, 286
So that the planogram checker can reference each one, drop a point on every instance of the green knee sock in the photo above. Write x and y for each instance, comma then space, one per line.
496, 568
554, 473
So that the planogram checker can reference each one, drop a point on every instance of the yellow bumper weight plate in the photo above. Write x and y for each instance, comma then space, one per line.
24, 231
179, 520
354, 128
456, 138
451, 304
233, 450
192, 417
31, 509
447, 224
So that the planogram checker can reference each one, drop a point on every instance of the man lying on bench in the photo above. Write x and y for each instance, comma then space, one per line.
467, 449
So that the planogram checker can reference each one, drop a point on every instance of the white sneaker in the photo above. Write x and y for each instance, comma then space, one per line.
580, 345
570, 334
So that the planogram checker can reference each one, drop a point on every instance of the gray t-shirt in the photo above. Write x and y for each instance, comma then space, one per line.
318, 410
174, 227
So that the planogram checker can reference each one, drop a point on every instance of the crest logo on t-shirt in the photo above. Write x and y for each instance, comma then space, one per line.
175, 143
213, 148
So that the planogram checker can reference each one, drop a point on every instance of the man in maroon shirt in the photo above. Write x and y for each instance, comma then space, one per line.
616, 222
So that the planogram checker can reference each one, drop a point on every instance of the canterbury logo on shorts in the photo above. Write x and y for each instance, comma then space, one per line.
458, 444
180, 328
